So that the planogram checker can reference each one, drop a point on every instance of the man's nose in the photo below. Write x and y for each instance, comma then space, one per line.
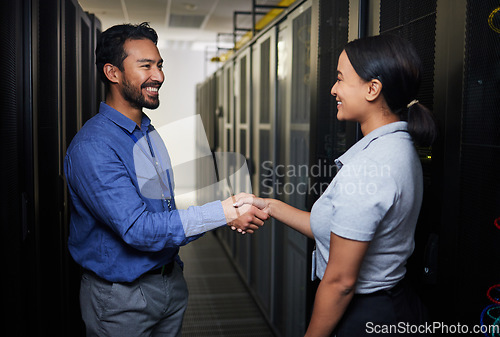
158, 75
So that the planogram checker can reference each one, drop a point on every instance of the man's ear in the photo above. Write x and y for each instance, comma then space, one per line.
112, 73
374, 90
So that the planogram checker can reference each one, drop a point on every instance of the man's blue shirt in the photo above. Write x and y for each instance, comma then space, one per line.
121, 225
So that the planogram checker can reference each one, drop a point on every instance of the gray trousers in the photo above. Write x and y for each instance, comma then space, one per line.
152, 305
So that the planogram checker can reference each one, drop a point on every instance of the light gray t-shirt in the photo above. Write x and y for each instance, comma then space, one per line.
375, 196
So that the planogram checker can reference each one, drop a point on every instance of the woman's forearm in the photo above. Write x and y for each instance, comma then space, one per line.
329, 305
291, 216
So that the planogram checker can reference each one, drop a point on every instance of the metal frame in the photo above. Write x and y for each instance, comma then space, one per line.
254, 14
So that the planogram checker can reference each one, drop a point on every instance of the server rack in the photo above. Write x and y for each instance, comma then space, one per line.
15, 149
242, 126
293, 141
45, 116
265, 258
416, 22
329, 137
228, 139
99, 94
205, 104
87, 65
467, 98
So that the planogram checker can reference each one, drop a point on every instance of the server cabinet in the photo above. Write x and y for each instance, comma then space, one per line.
99, 94
467, 71
243, 111
416, 22
294, 105
228, 140
48, 136
39, 269
71, 77
228, 107
219, 111
330, 138
203, 109
263, 262
87, 66
206, 138
70, 120
82, 86
225, 139
479, 219
16, 198
242, 118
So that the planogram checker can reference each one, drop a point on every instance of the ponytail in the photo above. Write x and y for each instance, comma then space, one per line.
421, 124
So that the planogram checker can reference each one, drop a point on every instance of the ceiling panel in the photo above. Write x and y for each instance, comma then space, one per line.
192, 7
186, 21
102, 8
146, 6
216, 16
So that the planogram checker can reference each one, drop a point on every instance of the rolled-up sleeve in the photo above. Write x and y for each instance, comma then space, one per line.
200, 219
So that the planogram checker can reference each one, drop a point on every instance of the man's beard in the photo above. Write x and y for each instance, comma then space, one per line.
136, 98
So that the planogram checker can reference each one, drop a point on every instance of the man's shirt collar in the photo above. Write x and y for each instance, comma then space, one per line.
123, 121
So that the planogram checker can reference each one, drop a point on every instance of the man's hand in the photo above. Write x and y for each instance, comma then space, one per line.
245, 218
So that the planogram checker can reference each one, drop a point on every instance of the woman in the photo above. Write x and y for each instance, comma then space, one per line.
364, 223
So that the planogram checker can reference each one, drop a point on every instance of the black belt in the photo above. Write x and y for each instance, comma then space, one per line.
164, 270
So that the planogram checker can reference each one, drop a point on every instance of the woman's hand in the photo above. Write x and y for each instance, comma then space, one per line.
284, 213
250, 199
244, 218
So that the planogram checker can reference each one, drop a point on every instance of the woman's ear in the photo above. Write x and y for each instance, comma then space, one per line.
111, 72
374, 90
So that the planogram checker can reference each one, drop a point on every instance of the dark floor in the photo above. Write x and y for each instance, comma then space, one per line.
219, 303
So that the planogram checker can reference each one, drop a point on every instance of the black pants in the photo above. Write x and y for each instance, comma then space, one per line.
395, 312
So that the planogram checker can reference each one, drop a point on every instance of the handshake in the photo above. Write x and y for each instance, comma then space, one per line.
245, 212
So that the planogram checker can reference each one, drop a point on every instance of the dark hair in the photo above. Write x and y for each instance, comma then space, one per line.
110, 44
395, 63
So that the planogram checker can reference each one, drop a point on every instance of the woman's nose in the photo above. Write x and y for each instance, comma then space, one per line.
334, 90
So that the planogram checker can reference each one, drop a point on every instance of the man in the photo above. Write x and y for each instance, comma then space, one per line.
125, 230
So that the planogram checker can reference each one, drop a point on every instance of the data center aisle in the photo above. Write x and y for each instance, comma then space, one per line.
219, 303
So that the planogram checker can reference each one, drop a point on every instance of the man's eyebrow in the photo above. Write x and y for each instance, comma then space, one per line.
148, 61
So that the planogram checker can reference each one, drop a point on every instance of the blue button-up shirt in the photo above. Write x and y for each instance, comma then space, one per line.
119, 183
